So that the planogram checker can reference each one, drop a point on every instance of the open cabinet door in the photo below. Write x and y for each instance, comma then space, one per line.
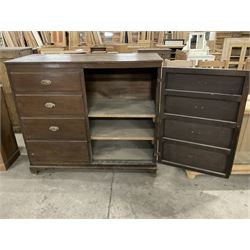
201, 112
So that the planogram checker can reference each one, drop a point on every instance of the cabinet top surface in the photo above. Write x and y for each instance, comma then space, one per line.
90, 58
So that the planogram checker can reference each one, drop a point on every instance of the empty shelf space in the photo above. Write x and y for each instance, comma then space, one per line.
129, 129
121, 108
122, 150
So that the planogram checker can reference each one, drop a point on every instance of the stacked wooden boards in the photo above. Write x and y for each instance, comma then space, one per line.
32, 39
135, 38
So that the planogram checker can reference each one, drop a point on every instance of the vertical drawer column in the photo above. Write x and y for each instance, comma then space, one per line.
51, 104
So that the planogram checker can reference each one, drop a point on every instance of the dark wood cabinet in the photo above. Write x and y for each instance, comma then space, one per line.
124, 111
9, 149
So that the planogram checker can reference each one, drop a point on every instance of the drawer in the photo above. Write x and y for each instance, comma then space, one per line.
201, 158
45, 105
48, 81
198, 132
205, 83
214, 109
58, 152
63, 128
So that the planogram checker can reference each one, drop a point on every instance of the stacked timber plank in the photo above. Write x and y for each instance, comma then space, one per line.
58, 38
31, 39
140, 36
180, 35
75, 39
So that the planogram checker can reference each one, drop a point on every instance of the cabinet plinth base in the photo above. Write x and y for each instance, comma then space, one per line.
95, 167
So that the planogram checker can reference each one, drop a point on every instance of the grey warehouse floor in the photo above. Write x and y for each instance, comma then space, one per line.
170, 194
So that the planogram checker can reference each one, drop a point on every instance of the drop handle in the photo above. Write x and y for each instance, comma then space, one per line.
46, 82
53, 128
49, 105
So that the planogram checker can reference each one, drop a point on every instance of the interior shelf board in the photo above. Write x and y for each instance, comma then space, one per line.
122, 129
122, 150
121, 109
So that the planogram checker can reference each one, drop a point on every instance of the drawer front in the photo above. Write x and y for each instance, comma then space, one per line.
198, 132
205, 83
32, 105
200, 158
47, 81
214, 109
74, 129
57, 153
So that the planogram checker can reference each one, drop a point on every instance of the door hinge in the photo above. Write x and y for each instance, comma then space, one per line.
159, 80
157, 155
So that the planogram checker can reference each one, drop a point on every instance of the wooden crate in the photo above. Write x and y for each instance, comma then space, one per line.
7, 54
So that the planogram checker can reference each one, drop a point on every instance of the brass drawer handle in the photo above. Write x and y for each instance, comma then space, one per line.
53, 128
49, 105
46, 82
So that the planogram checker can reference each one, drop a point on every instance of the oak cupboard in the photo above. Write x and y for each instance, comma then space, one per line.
127, 112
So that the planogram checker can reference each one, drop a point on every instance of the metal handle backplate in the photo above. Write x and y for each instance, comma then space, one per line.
49, 105
46, 82
53, 128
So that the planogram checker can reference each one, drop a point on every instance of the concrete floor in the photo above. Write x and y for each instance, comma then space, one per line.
69, 194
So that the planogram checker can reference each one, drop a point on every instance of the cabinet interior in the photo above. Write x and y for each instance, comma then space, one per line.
121, 111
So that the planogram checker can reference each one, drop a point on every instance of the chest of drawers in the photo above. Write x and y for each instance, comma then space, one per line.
126, 112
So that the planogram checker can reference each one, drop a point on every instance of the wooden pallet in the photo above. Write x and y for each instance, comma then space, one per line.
237, 169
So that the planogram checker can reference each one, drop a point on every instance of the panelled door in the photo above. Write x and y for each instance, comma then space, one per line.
201, 113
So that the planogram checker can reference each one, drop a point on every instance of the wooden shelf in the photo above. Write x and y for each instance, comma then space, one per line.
122, 129
122, 150
121, 108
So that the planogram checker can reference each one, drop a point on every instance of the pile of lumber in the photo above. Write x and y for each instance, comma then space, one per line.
152, 37
32, 39
76, 39
180, 35
97, 38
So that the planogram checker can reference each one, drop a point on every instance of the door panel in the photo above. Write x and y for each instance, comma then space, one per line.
215, 109
194, 131
201, 113
200, 82
187, 155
